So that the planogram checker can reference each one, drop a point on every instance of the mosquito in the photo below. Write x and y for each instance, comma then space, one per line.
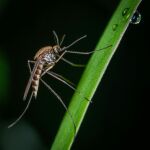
44, 60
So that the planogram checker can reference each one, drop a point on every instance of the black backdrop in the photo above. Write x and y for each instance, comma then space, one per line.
114, 119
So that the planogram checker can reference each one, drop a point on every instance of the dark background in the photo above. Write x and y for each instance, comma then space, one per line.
114, 120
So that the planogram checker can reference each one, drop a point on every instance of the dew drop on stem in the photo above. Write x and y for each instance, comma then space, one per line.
136, 18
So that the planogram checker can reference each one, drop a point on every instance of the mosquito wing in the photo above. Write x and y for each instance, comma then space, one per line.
30, 80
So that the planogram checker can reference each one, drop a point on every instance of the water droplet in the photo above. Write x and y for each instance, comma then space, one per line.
136, 18
126, 13
114, 27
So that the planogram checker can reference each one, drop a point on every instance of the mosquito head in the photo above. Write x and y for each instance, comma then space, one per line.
56, 48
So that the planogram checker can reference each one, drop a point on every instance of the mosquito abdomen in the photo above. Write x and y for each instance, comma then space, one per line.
36, 78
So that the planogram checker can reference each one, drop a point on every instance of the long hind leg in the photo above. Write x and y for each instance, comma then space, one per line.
87, 53
61, 101
58, 97
71, 63
28, 104
66, 82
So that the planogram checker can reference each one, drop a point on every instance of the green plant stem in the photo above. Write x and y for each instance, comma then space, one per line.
94, 72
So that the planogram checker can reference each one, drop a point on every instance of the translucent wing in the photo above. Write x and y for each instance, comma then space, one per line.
30, 80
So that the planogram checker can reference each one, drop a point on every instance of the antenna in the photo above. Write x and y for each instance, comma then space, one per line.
56, 37
77, 40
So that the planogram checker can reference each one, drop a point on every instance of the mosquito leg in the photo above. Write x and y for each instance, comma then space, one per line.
29, 66
31, 61
62, 79
60, 56
86, 53
28, 104
61, 101
81, 53
67, 82
71, 63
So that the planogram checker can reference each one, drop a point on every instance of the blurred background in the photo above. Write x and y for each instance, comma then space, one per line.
113, 119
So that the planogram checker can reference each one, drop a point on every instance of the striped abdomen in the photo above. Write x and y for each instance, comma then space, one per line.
36, 78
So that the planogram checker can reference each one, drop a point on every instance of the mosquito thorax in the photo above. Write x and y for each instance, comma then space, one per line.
42, 51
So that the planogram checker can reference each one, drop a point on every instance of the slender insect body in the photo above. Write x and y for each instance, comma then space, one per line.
47, 59
36, 78
44, 60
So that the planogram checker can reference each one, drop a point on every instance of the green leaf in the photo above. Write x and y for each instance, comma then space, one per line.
94, 73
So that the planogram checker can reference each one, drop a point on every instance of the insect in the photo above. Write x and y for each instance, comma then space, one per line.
44, 60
